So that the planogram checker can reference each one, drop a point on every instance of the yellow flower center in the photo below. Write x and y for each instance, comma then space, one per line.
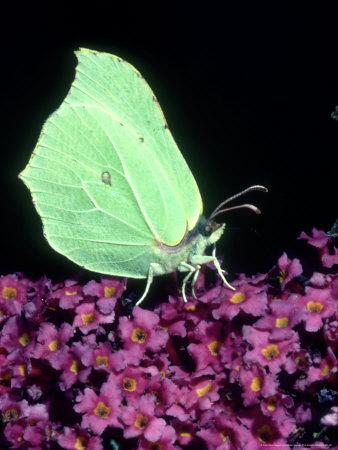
226, 435
270, 352
54, 345
256, 384
23, 369
109, 291
184, 431
272, 403
204, 390
190, 308
141, 421
326, 370
129, 384
139, 335
154, 446
87, 319
70, 292
265, 433
239, 297
282, 276
102, 410
102, 361
24, 339
314, 307
10, 414
75, 367
214, 347
282, 322
9, 293
80, 443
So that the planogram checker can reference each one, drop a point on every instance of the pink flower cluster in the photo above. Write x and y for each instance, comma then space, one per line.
245, 369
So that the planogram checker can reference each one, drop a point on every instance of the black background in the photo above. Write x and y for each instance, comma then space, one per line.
247, 91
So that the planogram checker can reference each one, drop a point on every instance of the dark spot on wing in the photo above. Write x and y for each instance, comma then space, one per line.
141, 139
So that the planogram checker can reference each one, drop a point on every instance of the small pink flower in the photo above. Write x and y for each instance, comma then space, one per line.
52, 341
17, 334
69, 296
320, 240
263, 432
100, 411
88, 318
289, 269
12, 295
323, 369
79, 439
222, 431
284, 315
272, 354
107, 291
165, 442
256, 383
249, 299
314, 306
73, 369
140, 420
132, 381
141, 334
37, 419
211, 341
203, 394
12, 410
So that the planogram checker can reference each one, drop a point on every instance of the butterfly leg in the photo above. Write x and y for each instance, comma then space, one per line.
154, 268
220, 270
185, 267
203, 259
197, 271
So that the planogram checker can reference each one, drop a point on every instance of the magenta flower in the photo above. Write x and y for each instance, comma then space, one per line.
289, 269
79, 439
11, 409
12, 294
140, 420
141, 334
314, 306
271, 354
202, 394
263, 432
18, 366
107, 291
132, 381
88, 318
102, 358
277, 407
256, 383
222, 431
320, 240
284, 315
14, 434
324, 368
36, 422
247, 298
16, 334
52, 342
166, 441
69, 296
207, 351
73, 368
102, 410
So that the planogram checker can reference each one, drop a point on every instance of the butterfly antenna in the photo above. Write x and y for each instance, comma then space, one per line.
219, 209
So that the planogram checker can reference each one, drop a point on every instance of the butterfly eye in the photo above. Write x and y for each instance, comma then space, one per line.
207, 230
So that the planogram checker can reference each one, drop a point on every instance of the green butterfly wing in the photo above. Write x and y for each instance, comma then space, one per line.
106, 175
